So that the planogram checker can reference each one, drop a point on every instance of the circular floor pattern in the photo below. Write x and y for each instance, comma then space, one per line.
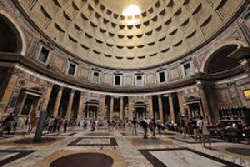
84, 160
240, 151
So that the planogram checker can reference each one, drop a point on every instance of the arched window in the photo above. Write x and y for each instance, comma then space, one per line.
221, 61
10, 40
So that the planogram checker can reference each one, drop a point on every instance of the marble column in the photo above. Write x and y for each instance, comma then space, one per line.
204, 103
81, 106
103, 107
69, 107
181, 104
111, 107
57, 102
160, 108
190, 114
36, 107
150, 105
121, 108
7, 92
46, 98
130, 111
171, 107
19, 108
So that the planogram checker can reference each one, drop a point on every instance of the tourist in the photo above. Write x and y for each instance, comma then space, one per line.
152, 126
113, 124
205, 133
55, 124
134, 123
145, 127
32, 123
158, 124
65, 123
85, 123
8, 122
60, 122
198, 129
182, 125
51, 124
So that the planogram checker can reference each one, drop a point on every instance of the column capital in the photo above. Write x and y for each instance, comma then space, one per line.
60, 87
72, 91
49, 84
82, 93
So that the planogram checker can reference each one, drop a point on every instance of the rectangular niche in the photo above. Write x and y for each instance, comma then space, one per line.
139, 80
128, 80
118, 80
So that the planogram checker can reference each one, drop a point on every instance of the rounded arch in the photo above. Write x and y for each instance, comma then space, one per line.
212, 62
140, 103
11, 32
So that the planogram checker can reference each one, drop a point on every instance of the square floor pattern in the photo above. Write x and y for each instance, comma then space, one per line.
94, 141
183, 157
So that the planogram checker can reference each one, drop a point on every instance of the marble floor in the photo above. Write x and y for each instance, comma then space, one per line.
119, 148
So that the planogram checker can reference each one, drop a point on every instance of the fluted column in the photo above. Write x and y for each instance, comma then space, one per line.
103, 107
111, 107
121, 108
130, 107
57, 102
181, 104
71, 98
171, 106
81, 106
150, 104
160, 108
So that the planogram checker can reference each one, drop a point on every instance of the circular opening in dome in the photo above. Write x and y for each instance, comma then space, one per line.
130, 13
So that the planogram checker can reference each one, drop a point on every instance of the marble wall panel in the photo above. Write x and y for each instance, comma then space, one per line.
83, 73
108, 79
173, 74
128, 80
150, 79
58, 63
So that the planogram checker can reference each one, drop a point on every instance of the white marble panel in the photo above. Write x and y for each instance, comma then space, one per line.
94, 141
183, 158
5, 155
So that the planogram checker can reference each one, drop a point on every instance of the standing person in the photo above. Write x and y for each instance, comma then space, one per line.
109, 124
152, 126
199, 129
51, 124
33, 120
205, 133
60, 122
65, 123
85, 123
182, 125
134, 126
55, 124
14, 123
158, 124
8, 121
145, 127
28, 123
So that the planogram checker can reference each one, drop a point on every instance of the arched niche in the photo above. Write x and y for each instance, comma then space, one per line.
10, 40
221, 61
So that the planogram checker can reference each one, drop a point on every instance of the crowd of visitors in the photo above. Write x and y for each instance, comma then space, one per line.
196, 128
54, 124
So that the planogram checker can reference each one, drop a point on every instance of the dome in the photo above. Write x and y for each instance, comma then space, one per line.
99, 33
